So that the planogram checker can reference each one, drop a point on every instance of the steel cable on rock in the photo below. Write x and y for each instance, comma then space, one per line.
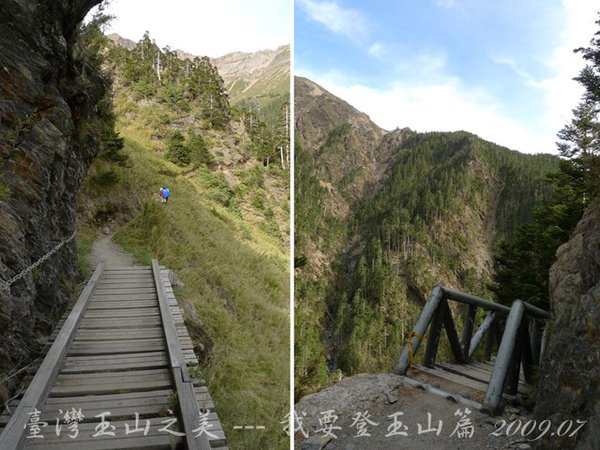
5, 285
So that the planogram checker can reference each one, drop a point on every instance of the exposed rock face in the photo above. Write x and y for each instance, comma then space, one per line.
47, 101
253, 67
569, 388
366, 146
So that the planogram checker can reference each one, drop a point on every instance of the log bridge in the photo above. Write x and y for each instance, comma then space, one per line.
120, 373
503, 377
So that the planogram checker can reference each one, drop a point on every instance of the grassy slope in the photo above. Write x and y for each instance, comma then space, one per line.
235, 274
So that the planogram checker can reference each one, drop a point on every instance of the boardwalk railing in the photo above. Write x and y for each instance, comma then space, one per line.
184, 385
520, 343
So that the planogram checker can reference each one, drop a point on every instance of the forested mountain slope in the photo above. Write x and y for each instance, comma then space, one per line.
258, 81
396, 214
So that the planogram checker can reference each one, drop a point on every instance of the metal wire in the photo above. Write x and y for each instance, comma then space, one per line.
5, 285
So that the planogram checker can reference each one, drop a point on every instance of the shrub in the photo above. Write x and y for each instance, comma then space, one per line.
216, 186
199, 153
177, 151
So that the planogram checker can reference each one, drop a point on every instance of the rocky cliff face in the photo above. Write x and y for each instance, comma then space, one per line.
364, 150
48, 96
569, 388
251, 68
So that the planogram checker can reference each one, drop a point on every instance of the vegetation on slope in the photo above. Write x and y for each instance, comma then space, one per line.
224, 231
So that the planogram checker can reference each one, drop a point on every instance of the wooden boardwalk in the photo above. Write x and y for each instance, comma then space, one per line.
120, 371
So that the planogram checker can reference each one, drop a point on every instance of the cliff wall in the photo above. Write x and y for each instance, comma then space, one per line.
48, 98
569, 388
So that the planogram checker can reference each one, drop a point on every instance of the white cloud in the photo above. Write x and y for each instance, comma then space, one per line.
205, 28
344, 21
447, 106
529, 80
377, 50
561, 92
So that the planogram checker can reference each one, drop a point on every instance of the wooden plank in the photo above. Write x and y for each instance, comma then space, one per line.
452, 334
461, 380
126, 361
123, 304
13, 435
109, 347
126, 312
435, 329
155, 439
469, 324
477, 373
145, 404
121, 297
118, 334
114, 283
110, 377
111, 382
124, 291
147, 322
185, 390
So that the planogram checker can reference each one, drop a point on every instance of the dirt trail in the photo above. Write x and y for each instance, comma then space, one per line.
105, 250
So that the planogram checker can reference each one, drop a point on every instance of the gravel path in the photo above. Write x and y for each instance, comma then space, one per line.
105, 250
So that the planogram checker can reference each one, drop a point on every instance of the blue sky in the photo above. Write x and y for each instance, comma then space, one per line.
501, 69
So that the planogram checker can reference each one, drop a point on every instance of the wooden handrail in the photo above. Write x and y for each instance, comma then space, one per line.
514, 346
188, 407
13, 435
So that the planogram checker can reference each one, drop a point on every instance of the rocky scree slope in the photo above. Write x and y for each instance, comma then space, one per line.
48, 97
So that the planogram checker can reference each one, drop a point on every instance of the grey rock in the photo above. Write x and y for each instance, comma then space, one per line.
47, 107
391, 398
316, 442
568, 387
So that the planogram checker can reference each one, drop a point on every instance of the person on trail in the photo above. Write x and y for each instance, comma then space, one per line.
165, 193
162, 198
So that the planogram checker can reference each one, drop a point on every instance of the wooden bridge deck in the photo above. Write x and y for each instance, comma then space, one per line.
116, 353
469, 380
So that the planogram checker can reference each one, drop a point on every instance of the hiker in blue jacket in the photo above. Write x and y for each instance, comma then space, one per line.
165, 193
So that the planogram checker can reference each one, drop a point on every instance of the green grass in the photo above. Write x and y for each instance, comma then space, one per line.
211, 248
85, 240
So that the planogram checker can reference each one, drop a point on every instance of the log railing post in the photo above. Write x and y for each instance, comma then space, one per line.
495, 389
435, 331
469, 324
453, 335
414, 340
